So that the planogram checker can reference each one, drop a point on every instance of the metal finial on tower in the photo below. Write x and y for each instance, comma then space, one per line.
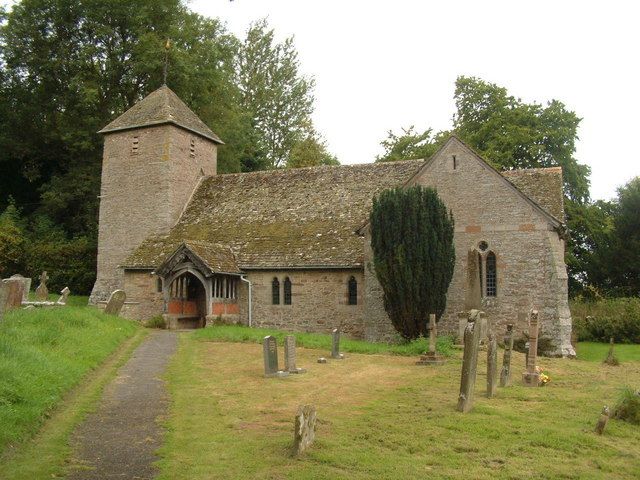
166, 60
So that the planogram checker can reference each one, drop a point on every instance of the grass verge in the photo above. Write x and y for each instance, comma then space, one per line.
382, 417
43, 354
597, 352
320, 341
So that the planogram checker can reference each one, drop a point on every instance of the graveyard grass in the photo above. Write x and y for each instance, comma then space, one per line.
382, 417
44, 353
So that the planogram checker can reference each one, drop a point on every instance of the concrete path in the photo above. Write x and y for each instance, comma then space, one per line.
119, 439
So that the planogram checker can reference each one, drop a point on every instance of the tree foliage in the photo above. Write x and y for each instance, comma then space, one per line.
414, 255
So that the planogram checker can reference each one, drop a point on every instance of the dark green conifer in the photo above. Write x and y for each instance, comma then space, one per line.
414, 255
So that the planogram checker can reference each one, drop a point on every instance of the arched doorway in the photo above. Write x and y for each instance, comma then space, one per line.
187, 304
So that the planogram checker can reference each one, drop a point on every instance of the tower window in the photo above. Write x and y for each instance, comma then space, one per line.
134, 145
492, 287
455, 162
287, 291
353, 291
192, 147
275, 291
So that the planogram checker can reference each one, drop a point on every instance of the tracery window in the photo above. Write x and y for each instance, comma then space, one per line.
287, 291
353, 291
275, 291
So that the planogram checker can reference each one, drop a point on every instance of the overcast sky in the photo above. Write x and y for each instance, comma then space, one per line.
382, 65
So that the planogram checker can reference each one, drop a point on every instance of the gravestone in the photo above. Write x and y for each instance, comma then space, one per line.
322, 360
115, 303
335, 344
63, 296
290, 355
42, 292
611, 357
505, 373
304, 432
602, 421
431, 357
531, 377
469, 361
27, 285
12, 294
270, 355
492, 363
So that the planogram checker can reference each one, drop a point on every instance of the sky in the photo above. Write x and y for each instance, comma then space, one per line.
381, 65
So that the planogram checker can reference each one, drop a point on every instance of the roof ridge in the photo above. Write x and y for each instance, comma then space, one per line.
533, 169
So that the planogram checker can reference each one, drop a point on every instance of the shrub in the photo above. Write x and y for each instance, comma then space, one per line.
156, 322
617, 318
628, 407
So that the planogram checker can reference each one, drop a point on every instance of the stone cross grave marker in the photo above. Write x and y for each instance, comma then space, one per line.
115, 303
270, 356
505, 373
305, 428
27, 285
431, 357
63, 296
290, 355
335, 344
469, 361
531, 378
492, 363
42, 292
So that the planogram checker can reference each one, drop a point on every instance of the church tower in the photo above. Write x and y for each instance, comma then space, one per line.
155, 155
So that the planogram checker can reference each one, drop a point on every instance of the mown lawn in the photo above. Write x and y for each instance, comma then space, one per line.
382, 417
43, 354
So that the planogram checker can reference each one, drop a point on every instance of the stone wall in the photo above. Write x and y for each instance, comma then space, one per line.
144, 190
143, 299
530, 266
319, 301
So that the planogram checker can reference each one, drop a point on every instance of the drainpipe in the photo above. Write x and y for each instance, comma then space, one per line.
244, 279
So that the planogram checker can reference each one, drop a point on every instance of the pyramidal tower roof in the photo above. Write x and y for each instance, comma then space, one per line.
160, 107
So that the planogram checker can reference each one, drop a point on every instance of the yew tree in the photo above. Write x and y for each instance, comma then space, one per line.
414, 255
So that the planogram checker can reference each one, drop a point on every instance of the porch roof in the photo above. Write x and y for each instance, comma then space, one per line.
207, 256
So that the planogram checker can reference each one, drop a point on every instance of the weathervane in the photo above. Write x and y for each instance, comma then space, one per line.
166, 60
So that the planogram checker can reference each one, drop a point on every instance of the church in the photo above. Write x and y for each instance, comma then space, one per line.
290, 249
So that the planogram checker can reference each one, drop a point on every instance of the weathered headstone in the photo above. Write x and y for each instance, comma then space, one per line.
322, 360
305, 428
42, 292
531, 377
602, 421
469, 361
115, 303
63, 296
290, 355
270, 355
27, 285
611, 357
335, 344
505, 373
431, 357
12, 294
492, 363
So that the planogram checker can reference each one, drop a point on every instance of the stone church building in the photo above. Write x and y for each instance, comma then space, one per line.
291, 248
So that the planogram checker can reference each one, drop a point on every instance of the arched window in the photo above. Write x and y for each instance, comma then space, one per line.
287, 291
275, 291
159, 285
353, 291
492, 278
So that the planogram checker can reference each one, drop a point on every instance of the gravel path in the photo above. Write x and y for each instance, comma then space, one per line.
119, 439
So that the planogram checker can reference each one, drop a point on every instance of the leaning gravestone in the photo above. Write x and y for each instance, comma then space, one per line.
63, 296
42, 292
13, 293
115, 303
305, 428
290, 355
505, 373
531, 377
335, 344
492, 364
27, 285
270, 356
469, 361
